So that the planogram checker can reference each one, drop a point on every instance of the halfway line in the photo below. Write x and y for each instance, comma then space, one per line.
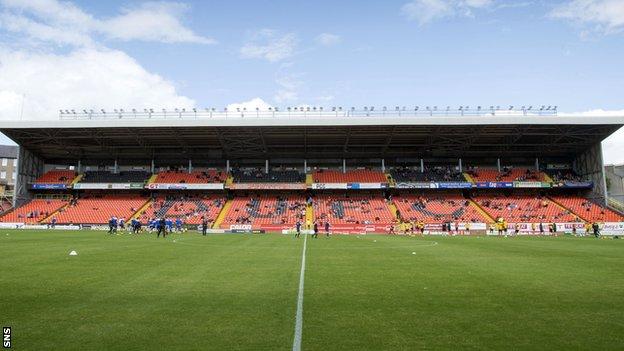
299, 316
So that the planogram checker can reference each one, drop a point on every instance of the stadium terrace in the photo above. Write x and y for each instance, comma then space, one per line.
374, 170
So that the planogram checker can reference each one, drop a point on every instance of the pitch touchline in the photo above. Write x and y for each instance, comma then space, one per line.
299, 316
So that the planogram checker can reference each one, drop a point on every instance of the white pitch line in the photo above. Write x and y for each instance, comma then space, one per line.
299, 316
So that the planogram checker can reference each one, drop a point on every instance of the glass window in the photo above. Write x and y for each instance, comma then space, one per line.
14, 162
3, 175
5, 162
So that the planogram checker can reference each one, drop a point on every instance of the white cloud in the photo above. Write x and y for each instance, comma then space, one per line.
65, 23
288, 91
426, 11
84, 78
270, 45
605, 16
158, 21
250, 105
328, 39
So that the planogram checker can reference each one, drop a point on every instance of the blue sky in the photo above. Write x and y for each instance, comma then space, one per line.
105, 54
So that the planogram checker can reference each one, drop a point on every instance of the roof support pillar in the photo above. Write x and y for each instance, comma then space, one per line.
116, 167
227, 166
344, 165
460, 166
422, 166
266, 166
537, 164
383, 165
190, 166
79, 167
153, 168
305, 166
498, 164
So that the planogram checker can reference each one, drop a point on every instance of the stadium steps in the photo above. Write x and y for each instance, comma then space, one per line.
615, 205
309, 179
393, 209
77, 179
152, 179
468, 177
481, 210
309, 213
55, 212
143, 208
222, 214
556, 203
391, 181
229, 180
547, 178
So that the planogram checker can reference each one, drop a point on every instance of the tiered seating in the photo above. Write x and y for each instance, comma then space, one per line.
524, 208
430, 174
437, 209
190, 209
352, 176
195, 177
352, 210
505, 175
57, 176
588, 210
4, 206
98, 209
266, 210
33, 212
274, 176
110, 177
562, 175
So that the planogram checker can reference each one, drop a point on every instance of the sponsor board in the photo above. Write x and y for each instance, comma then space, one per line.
494, 184
268, 186
367, 185
11, 225
321, 186
241, 227
531, 185
572, 184
612, 228
41, 186
454, 185
116, 186
185, 186
416, 185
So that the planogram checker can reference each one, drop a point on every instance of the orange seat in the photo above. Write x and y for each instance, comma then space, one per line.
57, 176
99, 209
352, 176
437, 209
266, 210
513, 174
353, 210
195, 177
33, 212
189, 209
524, 208
588, 210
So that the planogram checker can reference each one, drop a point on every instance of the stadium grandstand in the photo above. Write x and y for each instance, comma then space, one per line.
365, 170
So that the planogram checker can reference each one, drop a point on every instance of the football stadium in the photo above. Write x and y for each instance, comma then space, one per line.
313, 228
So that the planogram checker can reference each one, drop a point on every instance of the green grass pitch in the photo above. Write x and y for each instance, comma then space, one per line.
239, 291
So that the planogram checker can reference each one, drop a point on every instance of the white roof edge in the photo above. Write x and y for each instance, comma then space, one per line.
313, 121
